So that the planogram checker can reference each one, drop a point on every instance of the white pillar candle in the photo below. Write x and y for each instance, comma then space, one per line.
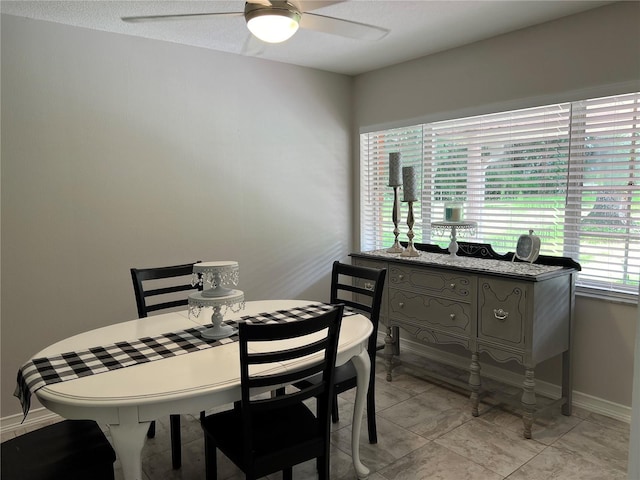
409, 184
395, 166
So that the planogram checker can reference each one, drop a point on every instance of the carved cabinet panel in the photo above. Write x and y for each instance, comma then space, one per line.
502, 311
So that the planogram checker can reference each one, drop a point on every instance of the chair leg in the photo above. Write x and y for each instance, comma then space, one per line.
371, 416
323, 467
176, 442
152, 430
287, 473
210, 460
334, 409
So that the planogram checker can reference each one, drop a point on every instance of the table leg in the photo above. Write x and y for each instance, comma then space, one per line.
128, 439
362, 365
388, 353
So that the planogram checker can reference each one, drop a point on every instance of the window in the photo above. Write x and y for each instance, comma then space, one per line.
568, 171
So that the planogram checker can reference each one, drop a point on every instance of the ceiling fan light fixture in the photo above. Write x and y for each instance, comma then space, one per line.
272, 25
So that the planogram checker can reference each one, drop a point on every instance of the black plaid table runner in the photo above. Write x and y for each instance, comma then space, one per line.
38, 372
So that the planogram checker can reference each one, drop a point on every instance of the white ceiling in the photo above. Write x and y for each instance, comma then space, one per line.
417, 28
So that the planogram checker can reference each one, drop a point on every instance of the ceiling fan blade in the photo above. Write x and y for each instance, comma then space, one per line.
179, 16
308, 5
343, 28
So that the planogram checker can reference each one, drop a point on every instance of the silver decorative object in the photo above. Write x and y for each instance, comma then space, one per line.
395, 181
216, 277
410, 190
410, 251
440, 228
395, 216
527, 248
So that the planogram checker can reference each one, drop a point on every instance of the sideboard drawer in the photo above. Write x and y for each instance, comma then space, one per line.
435, 282
438, 313
502, 311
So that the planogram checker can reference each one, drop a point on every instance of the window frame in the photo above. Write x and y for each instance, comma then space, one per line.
596, 291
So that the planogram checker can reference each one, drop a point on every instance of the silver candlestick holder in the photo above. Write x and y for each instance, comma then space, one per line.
396, 247
410, 251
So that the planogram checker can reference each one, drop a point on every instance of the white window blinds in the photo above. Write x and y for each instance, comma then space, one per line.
567, 171
603, 201
376, 202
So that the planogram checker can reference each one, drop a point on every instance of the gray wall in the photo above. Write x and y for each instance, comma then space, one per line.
589, 54
120, 151
555, 61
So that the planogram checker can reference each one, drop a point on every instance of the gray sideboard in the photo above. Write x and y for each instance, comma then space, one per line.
512, 311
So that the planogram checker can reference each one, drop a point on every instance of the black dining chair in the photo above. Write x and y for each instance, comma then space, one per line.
264, 434
358, 288
69, 450
163, 288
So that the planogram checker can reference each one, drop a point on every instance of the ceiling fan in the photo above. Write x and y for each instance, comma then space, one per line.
274, 21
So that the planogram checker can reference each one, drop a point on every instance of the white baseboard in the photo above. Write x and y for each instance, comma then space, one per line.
37, 417
582, 400
42, 416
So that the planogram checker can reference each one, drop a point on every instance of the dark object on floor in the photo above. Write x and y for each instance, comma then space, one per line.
68, 450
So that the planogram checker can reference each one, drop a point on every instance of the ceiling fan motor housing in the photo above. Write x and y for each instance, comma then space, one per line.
276, 7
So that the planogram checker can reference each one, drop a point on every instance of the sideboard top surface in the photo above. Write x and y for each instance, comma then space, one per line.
505, 268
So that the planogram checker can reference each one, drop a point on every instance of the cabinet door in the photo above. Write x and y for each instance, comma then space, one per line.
502, 311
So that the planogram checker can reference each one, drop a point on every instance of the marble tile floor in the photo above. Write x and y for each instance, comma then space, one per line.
426, 431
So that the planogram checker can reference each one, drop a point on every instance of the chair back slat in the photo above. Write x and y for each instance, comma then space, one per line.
359, 288
166, 290
147, 288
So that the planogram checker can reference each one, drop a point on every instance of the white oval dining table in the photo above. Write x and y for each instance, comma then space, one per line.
128, 399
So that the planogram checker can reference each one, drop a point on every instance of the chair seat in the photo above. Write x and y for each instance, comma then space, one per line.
345, 378
277, 431
68, 450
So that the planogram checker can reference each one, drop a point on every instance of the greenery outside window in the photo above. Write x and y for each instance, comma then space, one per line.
568, 171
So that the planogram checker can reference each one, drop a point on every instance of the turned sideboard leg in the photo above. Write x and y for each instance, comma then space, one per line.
528, 401
567, 383
388, 353
474, 383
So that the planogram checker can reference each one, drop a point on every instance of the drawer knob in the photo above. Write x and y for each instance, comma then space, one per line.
452, 286
401, 304
452, 316
368, 286
400, 277
500, 314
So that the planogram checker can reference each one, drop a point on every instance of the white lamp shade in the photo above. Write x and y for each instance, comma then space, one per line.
272, 27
